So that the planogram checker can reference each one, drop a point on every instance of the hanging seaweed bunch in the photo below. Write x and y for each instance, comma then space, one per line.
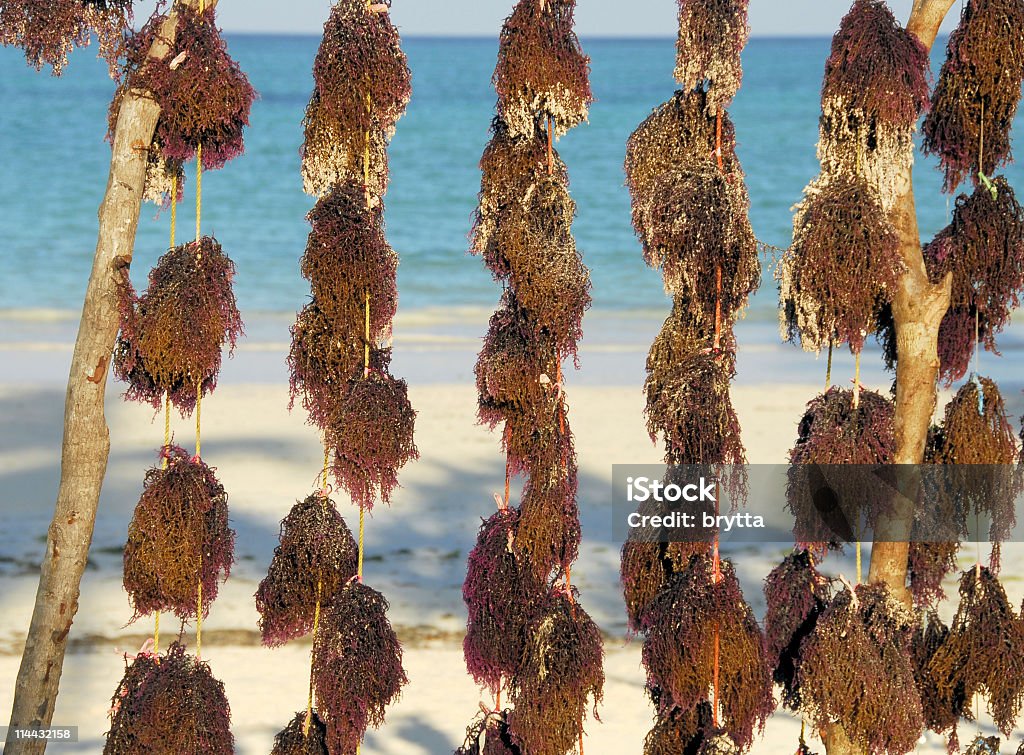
558, 678
941, 711
678, 732
984, 746
167, 705
178, 539
542, 72
49, 31
172, 336
796, 594
204, 96
511, 167
840, 427
315, 558
856, 670
984, 652
501, 593
666, 156
647, 568
510, 366
698, 233
548, 533
348, 259
979, 444
929, 563
874, 90
361, 87
489, 735
711, 38
688, 402
371, 435
975, 99
540, 444
298, 739
679, 653
357, 665
321, 364
983, 248
841, 267
837, 429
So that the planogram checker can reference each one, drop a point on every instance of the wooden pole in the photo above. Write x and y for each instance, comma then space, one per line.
86, 443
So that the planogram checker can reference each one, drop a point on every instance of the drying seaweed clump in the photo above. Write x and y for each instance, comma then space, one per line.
511, 167
875, 87
348, 259
357, 665
977, 92
840, 427
169, 705
979, 445
711, 37
983, 249
688, 402
542, 72
841, 268
647, 569
698, 233
984, 746
678, 135
929, 563
173, 335
510, 366
371, 436
298, 738
984, 652
362, 85
941, 711
501, 593
856, 670
316, 556
489, 735
796, 594
49, 31
548, 532
681, 625
204, 96
178, 538
678, 732
558, 678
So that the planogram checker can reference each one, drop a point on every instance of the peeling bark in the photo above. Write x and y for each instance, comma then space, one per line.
86, 443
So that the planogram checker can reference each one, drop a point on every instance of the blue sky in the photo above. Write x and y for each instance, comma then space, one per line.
594, 17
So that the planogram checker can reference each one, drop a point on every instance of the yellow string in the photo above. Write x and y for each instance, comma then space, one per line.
174, 206
860, 568
316, 625
199, 191
199, 416
156, 635
327, 462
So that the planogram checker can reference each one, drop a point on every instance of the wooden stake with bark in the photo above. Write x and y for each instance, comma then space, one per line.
86, 443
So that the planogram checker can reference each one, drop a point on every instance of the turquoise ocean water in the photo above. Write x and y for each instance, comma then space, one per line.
55, 163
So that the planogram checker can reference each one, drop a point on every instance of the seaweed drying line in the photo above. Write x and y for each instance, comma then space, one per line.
169, 351
339, 369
